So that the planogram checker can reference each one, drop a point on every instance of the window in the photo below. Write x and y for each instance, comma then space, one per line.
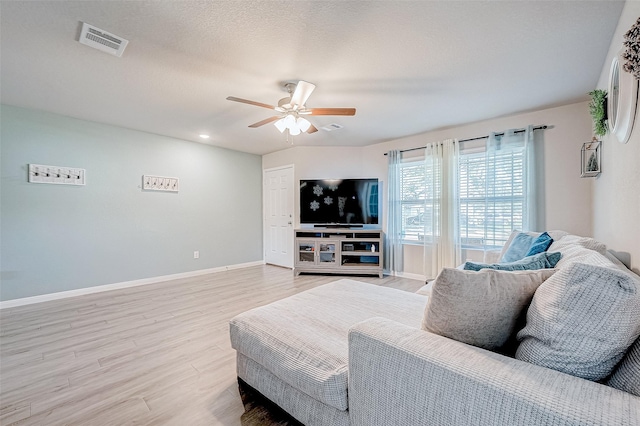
413, 200
418, 200
491, 198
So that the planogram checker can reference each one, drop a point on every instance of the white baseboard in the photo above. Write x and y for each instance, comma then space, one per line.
115, 286
409, 275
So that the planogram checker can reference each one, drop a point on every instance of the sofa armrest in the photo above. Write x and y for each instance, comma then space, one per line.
399, 375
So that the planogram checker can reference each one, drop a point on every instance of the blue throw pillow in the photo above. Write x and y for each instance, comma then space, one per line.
542, 260
518, 248
540, 244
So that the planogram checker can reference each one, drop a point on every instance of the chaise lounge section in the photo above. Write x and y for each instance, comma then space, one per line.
295, 351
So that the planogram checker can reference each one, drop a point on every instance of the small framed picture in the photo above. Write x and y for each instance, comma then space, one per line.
590, 159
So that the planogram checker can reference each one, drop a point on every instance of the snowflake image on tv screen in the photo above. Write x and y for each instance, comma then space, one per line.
314, 205
317, 190
328, 200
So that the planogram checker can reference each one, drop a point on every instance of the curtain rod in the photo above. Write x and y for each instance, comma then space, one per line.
478, 138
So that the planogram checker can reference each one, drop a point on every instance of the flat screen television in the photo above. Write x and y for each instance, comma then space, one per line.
339, 202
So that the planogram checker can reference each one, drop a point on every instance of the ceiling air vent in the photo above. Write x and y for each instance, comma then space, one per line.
331, 127
102, 40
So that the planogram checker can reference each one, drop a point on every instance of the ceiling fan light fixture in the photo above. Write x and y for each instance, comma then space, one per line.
303, 124
294, 131
289, 121
280, 125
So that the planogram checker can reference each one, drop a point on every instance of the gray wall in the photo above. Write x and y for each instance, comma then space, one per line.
58, 237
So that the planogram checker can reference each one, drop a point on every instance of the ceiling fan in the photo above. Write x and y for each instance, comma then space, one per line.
291, 109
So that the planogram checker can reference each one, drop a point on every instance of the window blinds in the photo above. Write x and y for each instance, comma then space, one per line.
491, 191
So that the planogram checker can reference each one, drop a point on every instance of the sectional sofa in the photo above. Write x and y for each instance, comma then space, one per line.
350, 353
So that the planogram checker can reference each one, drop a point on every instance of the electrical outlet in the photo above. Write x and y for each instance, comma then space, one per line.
196, 254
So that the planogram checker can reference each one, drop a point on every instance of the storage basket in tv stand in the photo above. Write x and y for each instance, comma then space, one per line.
338, 251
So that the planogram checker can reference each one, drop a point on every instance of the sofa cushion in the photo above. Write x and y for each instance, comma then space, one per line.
480, 308
626, 376
582, 320
540, 244
303, 339
538, 261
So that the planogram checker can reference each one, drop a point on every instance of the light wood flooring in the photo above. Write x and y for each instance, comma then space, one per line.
156, 354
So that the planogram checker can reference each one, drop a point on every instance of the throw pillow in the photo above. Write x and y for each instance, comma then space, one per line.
626, 377
574, 240
480, 308
581, 250
518, 247
582, 321
540, 244
542, 260
508, 242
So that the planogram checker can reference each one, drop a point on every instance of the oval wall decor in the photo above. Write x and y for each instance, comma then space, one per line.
622, 102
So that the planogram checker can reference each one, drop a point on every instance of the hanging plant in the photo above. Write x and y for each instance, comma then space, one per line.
598, 111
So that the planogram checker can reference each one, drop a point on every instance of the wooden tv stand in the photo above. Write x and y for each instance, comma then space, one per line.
338, 251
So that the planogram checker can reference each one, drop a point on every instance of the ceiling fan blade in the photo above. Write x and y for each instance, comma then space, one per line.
302, 93
265, 121
332, 111
245, 101
312, 129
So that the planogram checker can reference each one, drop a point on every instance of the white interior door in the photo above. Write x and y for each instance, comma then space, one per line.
278, 211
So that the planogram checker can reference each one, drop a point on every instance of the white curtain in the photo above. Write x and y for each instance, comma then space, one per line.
393, 250
442, 239
497, 147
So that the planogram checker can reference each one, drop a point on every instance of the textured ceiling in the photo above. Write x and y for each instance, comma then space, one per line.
407, 66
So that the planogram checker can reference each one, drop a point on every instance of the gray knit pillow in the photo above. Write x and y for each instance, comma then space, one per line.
582, 320
481, 308
627, 376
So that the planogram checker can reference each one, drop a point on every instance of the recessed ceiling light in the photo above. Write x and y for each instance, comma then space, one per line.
203, 136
